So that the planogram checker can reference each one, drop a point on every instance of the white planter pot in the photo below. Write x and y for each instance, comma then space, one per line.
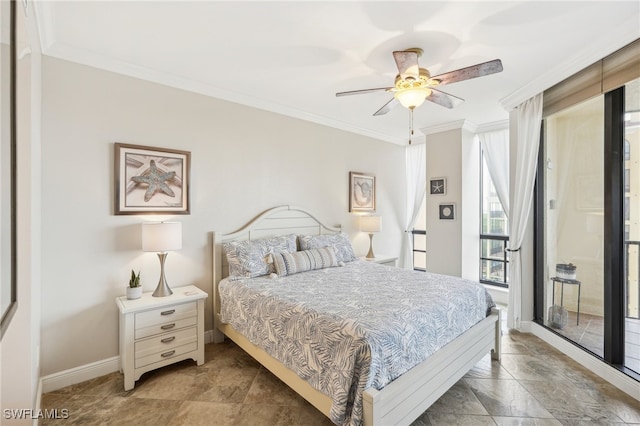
134, 292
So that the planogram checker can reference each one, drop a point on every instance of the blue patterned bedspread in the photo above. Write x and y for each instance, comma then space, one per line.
346, 329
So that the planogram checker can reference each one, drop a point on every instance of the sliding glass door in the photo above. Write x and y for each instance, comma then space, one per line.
588, 225
573, 220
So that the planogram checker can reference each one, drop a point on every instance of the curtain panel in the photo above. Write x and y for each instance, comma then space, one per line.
416, 179
529, 116
495, 148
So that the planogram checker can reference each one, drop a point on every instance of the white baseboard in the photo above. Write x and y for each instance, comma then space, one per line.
80, 374
597, 366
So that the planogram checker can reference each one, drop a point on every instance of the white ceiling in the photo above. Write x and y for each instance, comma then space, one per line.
292, 57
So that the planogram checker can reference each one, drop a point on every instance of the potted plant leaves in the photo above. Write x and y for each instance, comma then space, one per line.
134, 291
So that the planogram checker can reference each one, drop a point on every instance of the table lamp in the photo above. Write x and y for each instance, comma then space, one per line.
370, 224
162, 237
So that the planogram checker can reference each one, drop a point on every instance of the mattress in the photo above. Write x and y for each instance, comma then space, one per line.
349, 328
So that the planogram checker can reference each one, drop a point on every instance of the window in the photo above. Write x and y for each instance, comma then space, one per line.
494, 261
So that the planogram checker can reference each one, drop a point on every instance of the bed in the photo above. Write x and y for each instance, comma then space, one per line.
384, 395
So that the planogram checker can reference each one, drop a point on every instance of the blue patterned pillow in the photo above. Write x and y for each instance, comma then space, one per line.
341, 242
249, 258
302, 261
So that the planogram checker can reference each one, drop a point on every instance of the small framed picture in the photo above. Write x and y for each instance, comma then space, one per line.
362, 192
438, 186
447, 211
151, 180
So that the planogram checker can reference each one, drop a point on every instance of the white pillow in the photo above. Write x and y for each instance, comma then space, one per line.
249, 258
306, 260
341, 243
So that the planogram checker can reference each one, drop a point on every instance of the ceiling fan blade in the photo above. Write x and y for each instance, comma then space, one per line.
407, 62
387, 107
441, 98
479, 70
359, 92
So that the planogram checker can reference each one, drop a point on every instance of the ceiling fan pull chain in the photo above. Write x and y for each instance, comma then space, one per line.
411, 125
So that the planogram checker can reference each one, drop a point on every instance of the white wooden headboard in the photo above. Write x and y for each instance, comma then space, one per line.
282, 220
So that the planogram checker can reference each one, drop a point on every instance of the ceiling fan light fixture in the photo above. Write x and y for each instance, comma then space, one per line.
413, 97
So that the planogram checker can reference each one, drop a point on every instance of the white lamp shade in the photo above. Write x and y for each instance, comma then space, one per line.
370, 224
161, 236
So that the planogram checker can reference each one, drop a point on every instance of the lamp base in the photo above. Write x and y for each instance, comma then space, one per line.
370, 255
162, 290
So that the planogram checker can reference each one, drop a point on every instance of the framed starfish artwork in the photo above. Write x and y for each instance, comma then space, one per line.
438, 186
151, 180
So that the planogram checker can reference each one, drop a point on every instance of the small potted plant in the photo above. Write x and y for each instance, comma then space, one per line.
134, 291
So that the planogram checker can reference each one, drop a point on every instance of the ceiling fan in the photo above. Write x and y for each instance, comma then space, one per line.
413, 85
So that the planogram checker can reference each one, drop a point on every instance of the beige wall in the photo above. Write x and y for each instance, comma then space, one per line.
453, 245
244, 161
444, 237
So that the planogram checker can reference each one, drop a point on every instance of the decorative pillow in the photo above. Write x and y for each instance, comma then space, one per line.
249, 258
341, 242
301, 261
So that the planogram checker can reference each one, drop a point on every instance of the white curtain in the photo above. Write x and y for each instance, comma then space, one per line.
495, 149
416, 164
529, 115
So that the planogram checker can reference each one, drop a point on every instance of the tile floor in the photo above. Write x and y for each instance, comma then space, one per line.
533, 384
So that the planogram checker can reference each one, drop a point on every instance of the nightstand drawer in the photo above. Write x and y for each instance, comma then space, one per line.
168, 354
163, 328
164, 315
159, 331
165, 342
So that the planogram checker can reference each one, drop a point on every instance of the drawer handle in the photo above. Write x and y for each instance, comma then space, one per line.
168, 312
168, 326
168, 354
168, 339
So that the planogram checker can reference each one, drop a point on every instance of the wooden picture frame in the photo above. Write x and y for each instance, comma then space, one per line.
447, 211
151, 180
438, 186
362, 192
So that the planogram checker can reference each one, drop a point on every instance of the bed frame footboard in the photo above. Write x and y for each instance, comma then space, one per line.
408, 396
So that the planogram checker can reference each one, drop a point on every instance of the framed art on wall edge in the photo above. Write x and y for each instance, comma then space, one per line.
438, 186
362, 192
151, 180
447, 211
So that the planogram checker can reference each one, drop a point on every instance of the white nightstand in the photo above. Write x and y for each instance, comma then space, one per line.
158, 331
383, 259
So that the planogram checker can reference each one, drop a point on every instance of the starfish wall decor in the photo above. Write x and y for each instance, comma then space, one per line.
156, 180
151, 180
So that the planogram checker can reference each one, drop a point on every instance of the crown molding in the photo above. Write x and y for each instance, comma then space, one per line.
452, 125
87, 58
597, 48
493, 127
